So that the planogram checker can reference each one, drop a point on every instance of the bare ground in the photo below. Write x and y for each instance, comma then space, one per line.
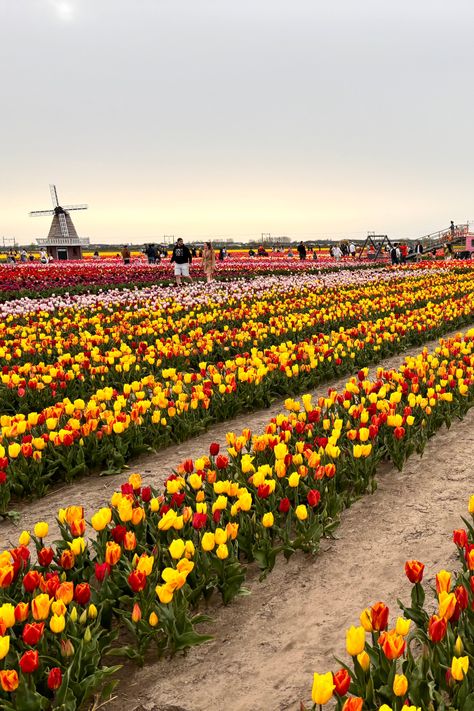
267, 645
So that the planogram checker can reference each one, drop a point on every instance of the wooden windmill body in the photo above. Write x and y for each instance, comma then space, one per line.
62, 241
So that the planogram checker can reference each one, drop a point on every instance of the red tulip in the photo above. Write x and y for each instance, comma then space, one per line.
214, 449
29, 662
32, 633
379, 616
314, 497
437, 627
101, 570
222, 462
341, 680
82, 593
55, 678
137, 580
414, 571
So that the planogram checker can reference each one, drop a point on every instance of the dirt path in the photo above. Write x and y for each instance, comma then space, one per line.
267, 645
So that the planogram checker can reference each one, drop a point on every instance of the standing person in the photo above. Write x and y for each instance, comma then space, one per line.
393, 254
43, 257
452, 229
126, 255
337, 252
208, 261
182, 258
418, 251
150, 252
352, 250
403, 253
301, 250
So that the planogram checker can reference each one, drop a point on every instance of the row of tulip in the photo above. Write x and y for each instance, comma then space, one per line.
142, 563
424, 660
28, 336
73, 437
76, 275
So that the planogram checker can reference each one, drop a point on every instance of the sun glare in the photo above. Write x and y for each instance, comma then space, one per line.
64, 9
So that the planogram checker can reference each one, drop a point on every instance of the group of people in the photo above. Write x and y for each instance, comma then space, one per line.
23, 256
182, 257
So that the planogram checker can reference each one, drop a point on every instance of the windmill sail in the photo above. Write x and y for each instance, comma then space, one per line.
54, 195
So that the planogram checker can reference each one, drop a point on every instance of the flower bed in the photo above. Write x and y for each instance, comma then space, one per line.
93, 429
425, 659
144, 562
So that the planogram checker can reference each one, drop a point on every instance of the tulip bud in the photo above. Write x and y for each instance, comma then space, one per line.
92, 612
24, 538
153, 619
87, 635
73, 615
67, 648
83, 618
136, 613
364, 660
458, 646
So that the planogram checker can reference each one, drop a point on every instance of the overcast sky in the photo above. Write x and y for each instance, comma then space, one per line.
237, 117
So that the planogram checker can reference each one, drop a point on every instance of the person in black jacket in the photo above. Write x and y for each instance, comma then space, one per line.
182, 258
301, 250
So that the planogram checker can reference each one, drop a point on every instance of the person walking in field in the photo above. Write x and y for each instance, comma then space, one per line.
182, 258
126, 255
208, 261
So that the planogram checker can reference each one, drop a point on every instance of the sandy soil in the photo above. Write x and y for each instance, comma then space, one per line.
267, 645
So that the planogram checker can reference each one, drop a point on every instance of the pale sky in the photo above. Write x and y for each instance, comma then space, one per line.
236, 117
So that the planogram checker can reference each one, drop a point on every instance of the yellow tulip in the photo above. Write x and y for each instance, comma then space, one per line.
153, 619
323, 688
366, 619
165, 593
77, 545
208, 541
222, 551
24, 538
41, 529
40, 606
14, 450
400, 685
301, 512
459, 667
268, 520
458, 646
7, 614
403, 626
4, 646
220, 535
58, 607
364, 660
57, 623
101, 519
355, 640
176, 548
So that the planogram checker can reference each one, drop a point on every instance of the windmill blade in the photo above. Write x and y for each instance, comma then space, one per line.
75, 207
54, 195
40, 213
63, 224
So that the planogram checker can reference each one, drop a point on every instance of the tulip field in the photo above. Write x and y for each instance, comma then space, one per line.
91, 380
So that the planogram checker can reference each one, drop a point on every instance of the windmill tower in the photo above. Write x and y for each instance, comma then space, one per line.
62, 241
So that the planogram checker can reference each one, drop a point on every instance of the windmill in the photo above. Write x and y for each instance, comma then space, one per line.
62, 241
